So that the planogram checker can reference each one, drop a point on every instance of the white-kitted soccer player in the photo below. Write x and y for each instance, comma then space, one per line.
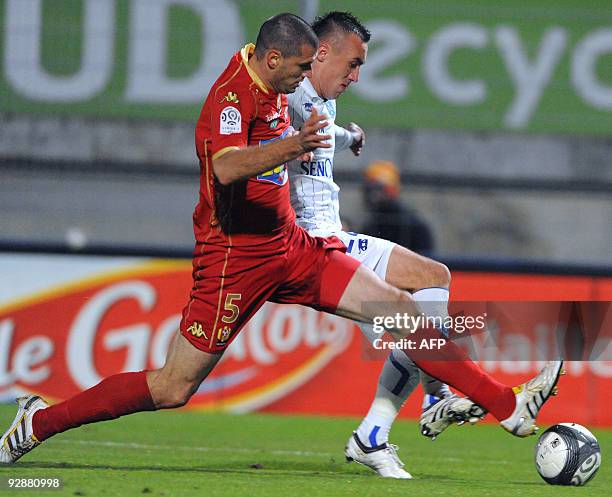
314, 196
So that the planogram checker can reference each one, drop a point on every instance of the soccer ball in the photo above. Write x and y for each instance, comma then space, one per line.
567, 454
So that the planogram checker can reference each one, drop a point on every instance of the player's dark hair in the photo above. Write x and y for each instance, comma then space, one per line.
331, 23
286, 33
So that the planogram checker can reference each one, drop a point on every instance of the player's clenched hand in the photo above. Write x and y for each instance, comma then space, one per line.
310, 136
358, 138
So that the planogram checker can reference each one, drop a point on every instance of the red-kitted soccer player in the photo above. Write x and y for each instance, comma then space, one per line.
249, 250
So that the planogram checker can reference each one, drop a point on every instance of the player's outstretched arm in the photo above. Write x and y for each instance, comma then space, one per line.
239, 165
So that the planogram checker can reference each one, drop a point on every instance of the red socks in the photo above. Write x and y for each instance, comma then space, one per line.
451, 365
127, 393
117, 395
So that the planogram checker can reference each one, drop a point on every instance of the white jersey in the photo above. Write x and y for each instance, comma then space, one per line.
314, 195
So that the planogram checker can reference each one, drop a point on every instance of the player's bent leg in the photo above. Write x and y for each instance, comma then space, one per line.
405, 270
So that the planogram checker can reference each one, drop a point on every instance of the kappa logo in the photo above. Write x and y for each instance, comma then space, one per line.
231, 97
197, 330
308, 106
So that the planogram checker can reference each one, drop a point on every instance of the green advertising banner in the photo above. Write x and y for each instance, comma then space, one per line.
518, 65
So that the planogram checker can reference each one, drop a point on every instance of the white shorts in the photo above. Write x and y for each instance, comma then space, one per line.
370, 251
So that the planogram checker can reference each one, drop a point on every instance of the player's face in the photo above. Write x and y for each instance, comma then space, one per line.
338, 64
291, 71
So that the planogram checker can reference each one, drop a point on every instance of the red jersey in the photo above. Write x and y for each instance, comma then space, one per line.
241, 111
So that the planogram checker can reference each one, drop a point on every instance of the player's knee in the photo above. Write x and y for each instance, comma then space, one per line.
177, 395
181, 395
168, 392
435, 274
441, 274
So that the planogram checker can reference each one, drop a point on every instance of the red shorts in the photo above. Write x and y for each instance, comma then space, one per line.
231, 284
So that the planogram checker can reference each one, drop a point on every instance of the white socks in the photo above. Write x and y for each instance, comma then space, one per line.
400, 376
434, 303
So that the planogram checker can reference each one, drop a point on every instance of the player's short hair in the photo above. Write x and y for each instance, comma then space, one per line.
332, 23
286, 33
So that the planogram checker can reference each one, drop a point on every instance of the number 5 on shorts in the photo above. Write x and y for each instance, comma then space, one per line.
233, 308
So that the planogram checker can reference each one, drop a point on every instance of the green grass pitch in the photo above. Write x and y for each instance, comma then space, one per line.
191, 454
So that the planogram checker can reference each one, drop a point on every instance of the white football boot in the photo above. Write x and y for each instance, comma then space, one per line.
383, 459
530, 397
453, 409
20, 439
